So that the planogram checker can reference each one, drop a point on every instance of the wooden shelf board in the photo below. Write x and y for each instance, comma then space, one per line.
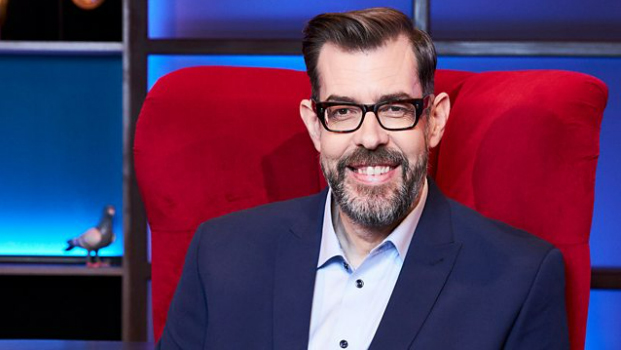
13, 269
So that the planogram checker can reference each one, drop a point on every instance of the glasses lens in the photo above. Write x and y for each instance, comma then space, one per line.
397, 115
343, 117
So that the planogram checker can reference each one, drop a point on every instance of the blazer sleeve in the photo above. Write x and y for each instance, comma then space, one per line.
542, 321
186, 323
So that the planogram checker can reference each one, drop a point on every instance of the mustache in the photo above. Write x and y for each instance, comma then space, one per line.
381, 155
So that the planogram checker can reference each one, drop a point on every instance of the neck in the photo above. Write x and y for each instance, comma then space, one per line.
105, 221
357, 240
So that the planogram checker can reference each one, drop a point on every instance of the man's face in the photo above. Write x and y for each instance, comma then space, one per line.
376, 175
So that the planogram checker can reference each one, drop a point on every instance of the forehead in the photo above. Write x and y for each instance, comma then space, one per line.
367, 75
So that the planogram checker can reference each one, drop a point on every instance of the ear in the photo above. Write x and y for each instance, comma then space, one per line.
438, 118
313, 125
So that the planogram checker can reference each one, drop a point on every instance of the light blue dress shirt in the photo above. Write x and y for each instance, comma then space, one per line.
348, 303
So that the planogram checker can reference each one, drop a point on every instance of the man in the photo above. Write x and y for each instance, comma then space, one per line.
381, 260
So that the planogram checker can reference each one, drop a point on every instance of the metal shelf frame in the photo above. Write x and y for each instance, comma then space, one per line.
60, 48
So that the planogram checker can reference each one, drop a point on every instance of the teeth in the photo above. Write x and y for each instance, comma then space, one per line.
373, 170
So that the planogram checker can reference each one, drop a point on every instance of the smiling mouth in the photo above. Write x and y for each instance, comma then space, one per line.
372, 170
372, 174
372, 167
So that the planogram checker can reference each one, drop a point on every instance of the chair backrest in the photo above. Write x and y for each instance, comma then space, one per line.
520, 147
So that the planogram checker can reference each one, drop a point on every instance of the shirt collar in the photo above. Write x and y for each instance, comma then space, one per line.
400, 237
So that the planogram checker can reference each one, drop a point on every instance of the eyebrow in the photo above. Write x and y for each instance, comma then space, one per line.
388, 97
338, 98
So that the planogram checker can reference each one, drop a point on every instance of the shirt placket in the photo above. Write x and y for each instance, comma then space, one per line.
352, 328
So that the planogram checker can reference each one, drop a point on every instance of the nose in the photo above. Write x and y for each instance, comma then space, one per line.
371, 135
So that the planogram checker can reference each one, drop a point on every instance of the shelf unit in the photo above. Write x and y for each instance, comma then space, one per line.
134, 300
135, 270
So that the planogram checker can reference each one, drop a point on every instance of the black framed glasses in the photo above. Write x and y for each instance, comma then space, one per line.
393, 115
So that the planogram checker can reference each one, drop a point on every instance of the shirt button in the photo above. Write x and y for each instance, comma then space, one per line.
343, 344
346, 266
359, 283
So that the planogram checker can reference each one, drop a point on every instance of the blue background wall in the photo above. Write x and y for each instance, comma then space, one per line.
246, 18
595, 20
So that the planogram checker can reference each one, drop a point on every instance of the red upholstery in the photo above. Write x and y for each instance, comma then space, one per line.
521, 147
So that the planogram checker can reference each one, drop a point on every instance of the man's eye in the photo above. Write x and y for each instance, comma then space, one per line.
396, 110
342, 112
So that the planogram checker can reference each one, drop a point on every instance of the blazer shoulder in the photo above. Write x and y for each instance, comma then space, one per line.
265, 222
472, 227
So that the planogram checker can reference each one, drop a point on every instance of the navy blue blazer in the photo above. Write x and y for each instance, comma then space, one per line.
467, 283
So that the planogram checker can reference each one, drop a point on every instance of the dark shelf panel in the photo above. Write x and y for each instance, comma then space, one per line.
61, 47
60, 307
218, 46
62, 20
14, 269
606, 278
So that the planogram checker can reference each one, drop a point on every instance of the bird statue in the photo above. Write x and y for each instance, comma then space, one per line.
95, 238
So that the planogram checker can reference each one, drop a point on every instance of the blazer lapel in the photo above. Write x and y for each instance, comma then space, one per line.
294, 278
428, 263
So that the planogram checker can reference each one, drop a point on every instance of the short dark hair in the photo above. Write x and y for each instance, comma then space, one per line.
366, 30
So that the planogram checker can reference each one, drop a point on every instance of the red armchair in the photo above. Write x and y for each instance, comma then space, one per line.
520, 147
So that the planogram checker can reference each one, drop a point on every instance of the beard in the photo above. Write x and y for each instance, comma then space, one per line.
377, 206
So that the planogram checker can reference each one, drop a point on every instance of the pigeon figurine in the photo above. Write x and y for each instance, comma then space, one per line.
95, 238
